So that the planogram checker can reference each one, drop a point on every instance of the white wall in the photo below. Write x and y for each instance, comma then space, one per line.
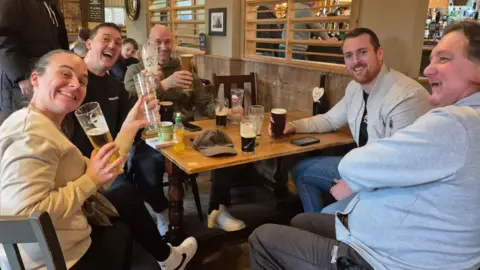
400, 28
138, 29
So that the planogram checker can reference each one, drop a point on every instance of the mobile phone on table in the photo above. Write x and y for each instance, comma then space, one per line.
304, 141
191, 127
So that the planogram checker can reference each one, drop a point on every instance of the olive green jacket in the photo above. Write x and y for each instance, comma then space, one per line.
199, 102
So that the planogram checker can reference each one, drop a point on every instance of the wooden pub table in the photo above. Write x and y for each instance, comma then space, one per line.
180, 165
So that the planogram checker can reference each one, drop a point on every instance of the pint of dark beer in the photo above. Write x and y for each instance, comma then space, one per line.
166, 111
221, 109
248, 132
278, 119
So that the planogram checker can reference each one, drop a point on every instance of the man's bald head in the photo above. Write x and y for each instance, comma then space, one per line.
161, 37
159, 30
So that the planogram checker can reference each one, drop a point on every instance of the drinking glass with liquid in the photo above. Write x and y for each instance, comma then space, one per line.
150, 58
90, 117
258, 114
248, 132
145, 86
221, 110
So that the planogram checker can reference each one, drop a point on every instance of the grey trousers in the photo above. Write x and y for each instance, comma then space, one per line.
309, 245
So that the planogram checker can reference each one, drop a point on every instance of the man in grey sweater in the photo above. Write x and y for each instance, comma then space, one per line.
417, 192
377, 102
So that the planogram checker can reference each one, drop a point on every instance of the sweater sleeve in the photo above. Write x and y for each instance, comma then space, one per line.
12, 58
432, 149
334, 119
29, 168
410, 105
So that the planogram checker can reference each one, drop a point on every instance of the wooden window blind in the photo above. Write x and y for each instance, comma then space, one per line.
186, 18
298, 32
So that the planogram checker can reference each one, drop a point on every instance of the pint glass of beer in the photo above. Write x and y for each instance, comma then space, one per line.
144, 86
187, 64
221, 109
248, 132
93, 122
278, 119
166, 111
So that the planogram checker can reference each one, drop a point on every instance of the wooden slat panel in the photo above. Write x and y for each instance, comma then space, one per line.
267, 21
321, 19
267, 40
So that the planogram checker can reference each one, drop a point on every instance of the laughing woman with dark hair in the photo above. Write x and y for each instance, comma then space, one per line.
41, 170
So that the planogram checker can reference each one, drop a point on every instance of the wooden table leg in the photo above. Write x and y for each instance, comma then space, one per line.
176, 179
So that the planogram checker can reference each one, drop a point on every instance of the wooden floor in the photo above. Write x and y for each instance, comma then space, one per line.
218, 250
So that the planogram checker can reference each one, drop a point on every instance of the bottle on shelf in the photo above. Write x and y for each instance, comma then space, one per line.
178, 133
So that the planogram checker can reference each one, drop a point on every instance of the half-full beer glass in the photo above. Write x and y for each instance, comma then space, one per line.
248, 132
144, 86
221, 109
93, 122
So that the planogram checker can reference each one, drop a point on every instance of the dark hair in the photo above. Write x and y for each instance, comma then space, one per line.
471, 30
84, 33
44, 61
131, 41
365, 31
103, 25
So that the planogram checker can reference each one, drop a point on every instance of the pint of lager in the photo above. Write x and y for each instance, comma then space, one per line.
90, 117
187, 65
248, 132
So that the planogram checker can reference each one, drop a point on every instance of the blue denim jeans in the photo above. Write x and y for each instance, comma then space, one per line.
312, 177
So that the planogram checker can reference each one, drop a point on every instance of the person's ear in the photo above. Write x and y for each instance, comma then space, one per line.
380, 53
88, 43
34, 79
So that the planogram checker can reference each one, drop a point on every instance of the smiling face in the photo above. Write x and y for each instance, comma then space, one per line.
128, 50
61, 87
361, 60
104, 49
452, 76
162, 38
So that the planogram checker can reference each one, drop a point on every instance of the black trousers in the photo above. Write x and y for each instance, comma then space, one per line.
145, 171
222, 180
111, 247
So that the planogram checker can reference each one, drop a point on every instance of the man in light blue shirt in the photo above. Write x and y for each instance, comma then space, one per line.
417, 192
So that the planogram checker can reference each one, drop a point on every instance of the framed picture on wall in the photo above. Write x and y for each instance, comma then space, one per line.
217, 21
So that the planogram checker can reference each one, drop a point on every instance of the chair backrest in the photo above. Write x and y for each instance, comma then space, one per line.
37, 228
240, 81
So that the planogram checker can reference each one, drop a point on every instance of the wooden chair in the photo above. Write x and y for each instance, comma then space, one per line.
37, 228
240, 81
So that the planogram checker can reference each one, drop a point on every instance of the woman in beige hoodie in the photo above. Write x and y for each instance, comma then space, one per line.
41, 170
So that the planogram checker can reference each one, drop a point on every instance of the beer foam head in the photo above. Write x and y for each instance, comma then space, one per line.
187, 55
221, 111
248, 130
278, 111
96, 132
166, 103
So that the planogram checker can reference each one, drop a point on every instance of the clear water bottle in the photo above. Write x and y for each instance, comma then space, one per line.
178, 132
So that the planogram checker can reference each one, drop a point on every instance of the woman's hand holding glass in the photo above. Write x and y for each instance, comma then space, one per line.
99, 169
137, 118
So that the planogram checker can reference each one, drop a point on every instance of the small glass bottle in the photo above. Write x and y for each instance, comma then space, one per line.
178, 132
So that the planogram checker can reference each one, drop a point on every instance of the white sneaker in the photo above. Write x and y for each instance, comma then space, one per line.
180, 256
162, 222
222, 219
